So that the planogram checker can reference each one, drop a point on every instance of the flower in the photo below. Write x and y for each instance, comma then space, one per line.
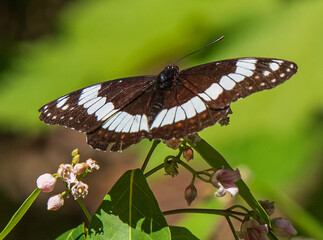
252, 230
66, 171
46, 182
188, 154
268, 206
224, 179
283, 228
55, 202
80, 189
173, 143
190, 194
91, 165
79, 168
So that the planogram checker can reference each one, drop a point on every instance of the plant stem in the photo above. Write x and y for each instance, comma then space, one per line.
232, 228
189, 168
85, 211
155, 169
153, 146
239, 206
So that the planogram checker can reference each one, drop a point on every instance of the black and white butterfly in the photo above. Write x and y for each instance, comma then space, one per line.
170, 105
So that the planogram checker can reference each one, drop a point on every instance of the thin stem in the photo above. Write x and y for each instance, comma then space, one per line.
232, 228
239, 206
203, 210
85, 211
155, 169
153, 146
192, 170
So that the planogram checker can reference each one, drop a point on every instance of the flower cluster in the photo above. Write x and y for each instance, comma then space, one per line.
71, 175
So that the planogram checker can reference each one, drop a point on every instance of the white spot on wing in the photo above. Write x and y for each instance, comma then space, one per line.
169, 117
110, 114
159, 118
198, 104
214, 91
180, 114
89, 93
236, 77
136, 124
189, 109
128, 125
247, 63
282, 75
273, 66
204, 96
144, 123
266, 73
244, 71
227, 83
91, 102
110, 120
96, 106
104, 110
123, 122
65, 107
61, 101
117, 121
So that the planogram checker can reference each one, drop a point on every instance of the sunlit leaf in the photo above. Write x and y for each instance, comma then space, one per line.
77, 233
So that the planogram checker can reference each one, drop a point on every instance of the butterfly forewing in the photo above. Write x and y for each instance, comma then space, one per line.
122, 112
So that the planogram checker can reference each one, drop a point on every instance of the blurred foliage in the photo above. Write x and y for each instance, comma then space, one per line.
277, 134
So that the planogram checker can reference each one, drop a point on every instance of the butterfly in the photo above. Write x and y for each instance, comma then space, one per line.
170, 105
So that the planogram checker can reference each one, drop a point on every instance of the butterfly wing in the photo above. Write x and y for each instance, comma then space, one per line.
203, 94
88, 109
220, 83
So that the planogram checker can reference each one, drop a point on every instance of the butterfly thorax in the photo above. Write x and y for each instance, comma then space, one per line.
168, 76
165, 81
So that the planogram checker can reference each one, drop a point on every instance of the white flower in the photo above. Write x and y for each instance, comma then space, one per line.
91, 165
224, 179
46, 182
80, 189
55, 202
66, 171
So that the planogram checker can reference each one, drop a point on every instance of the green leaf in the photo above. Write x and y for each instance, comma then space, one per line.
216, 160
19, 213
181, 233
77, 233
129, 211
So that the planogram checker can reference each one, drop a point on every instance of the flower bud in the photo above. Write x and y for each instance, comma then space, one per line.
76, 159
190, 194
268, 206
171, 168
75, 152
79, 168
173, 143
283, 228
55, 202
46, 182
188, 154
91, 165
252, 230
80, 190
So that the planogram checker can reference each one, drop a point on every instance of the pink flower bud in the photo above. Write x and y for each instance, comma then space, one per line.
252, 230
91, 165
268, 206
190, 194
79, 168
55, 202
80, 190
46, 182
224, 179
188, 154
283, 228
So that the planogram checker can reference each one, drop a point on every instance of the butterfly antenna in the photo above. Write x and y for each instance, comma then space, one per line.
215, 41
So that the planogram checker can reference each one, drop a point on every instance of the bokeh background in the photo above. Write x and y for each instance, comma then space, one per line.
51, 47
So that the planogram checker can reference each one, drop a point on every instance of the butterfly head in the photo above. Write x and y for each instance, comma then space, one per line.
167, 76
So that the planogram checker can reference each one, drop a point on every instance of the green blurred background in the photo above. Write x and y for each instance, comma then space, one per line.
49, 48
